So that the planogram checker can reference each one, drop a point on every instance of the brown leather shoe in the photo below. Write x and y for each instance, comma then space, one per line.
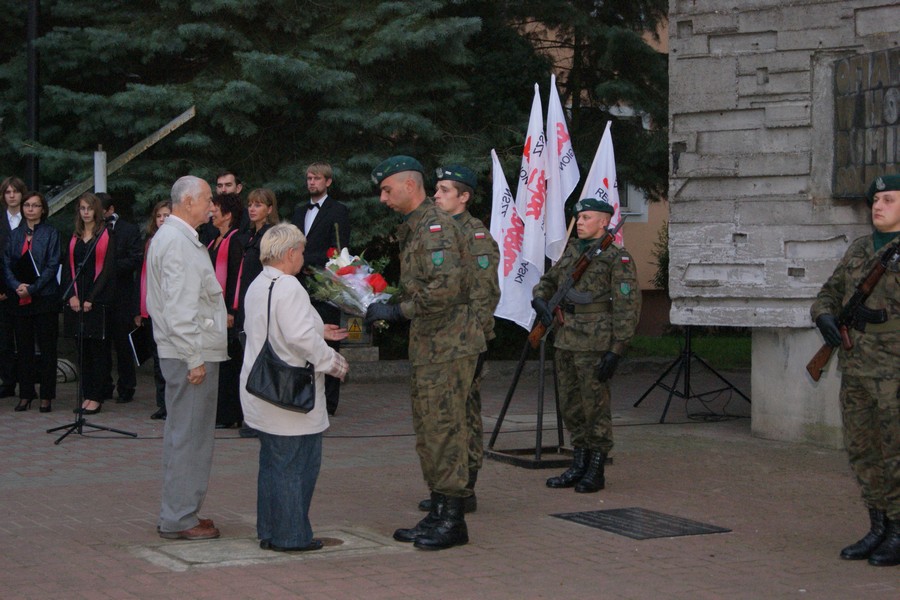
204, 530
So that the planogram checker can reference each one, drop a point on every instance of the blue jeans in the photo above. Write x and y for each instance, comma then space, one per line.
288, 470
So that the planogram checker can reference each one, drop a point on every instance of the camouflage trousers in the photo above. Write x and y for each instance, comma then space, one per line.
439, 393
584, 401
871, 412
474, 424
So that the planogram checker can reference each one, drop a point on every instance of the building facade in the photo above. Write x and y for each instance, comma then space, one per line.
780, 115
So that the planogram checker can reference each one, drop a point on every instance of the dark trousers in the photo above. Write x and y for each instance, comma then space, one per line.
332, 316
7, 350
228, 404
42, 328
121, 323
288, 470
158, 378
94, 368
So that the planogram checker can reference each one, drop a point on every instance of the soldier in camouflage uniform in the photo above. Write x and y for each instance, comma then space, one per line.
870, 374
600, 315
445, 338
453, 192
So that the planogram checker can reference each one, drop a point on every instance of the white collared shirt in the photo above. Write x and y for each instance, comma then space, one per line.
14, 219
312, 214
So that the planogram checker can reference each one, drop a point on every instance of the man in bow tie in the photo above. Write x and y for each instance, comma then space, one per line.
326, 223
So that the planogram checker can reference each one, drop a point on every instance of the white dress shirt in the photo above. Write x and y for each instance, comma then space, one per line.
312, 213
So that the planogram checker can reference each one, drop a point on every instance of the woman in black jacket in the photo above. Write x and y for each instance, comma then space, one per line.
161, 211
91, 294
226, 252
262, 208
30, 264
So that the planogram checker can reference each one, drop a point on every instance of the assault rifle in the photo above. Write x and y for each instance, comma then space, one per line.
855, 313
540, 330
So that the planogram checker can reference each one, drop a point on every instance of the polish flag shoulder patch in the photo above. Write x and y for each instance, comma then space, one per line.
626, 259
479, 235
434, 228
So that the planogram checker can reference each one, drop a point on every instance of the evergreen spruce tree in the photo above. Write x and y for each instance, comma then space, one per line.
605, 64
277, 84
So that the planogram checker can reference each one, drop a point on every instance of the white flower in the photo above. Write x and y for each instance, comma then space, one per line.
339, 261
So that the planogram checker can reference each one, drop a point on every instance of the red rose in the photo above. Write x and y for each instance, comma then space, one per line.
377, 282
331, 252
345, 270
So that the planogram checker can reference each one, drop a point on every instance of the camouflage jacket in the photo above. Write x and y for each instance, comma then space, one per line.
485, 292
875, 353
436, 271
602, 310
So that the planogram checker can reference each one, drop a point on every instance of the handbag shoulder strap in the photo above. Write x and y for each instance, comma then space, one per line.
269, 308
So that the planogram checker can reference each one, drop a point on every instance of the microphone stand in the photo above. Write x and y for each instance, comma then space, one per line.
80, 422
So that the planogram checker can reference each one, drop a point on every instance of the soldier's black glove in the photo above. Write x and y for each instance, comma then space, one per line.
543, 311
828, 326
379, 311
604, 369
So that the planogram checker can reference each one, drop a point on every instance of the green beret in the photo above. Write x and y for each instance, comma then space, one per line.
394, 165
885, 183
457, 173
595, 205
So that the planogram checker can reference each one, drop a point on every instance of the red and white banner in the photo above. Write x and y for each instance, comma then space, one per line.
562, 175
601, 181
531, 193
517, 276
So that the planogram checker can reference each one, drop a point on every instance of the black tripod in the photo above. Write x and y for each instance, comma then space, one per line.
80, 422
518, 456
683, 364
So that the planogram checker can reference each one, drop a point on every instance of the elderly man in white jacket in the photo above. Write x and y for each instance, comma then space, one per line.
188, 312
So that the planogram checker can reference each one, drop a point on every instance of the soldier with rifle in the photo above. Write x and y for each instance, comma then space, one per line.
858, 309
594, 318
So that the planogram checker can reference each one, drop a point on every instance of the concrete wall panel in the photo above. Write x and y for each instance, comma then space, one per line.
764, 84
718, 91
715, 141
743, 43
774, 62
878, 20
721, 120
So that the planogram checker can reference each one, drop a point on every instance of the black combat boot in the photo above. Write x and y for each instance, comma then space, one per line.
430, 520
862, 549
450, 529
470, 504
887, 554
573, 474
593, 480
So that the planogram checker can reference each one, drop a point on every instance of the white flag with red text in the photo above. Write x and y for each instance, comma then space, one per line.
601, 182
517, 276
531, 193
562, 175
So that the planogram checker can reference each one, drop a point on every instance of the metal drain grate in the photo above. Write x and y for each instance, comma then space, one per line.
640, 523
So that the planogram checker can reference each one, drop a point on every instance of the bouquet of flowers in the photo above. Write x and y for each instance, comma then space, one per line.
349, 283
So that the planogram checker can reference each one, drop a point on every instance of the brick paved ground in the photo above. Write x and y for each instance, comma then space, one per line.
79, 518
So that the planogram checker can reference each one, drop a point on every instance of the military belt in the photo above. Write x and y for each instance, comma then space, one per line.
886, 327
593, 307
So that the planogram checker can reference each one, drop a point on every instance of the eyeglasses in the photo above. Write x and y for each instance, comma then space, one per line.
31, 205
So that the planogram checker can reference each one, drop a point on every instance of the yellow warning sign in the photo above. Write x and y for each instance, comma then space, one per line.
354, 329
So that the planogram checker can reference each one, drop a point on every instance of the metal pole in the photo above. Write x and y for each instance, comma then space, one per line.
99, 170
32, 178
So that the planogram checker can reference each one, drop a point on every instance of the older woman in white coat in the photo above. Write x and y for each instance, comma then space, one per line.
290, 442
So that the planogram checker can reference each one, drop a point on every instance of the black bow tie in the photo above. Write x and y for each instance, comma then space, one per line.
313, 205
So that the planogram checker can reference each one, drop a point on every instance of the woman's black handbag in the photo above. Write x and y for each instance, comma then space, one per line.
273, 380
